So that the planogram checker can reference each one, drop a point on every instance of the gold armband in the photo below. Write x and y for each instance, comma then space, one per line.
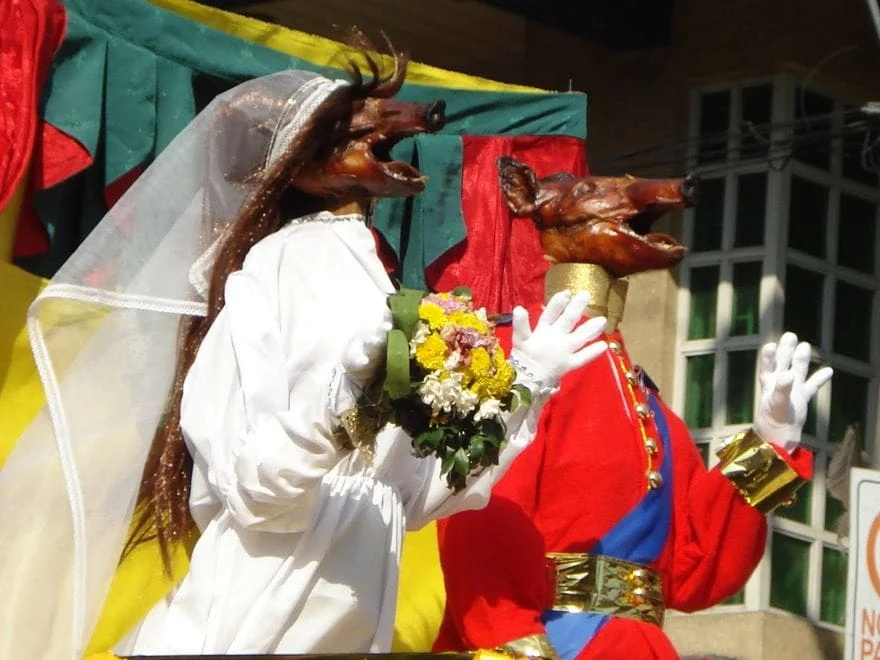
758, 471
531, 646
490, 654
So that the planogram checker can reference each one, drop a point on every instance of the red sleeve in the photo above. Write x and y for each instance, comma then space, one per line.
496, 577
718, 539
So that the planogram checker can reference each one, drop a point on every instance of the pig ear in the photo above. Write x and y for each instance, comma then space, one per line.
518, 185
559, 177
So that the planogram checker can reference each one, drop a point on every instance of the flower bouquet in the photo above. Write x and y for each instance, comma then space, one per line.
447, 381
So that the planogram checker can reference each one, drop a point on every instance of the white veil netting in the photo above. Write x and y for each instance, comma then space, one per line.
105, 339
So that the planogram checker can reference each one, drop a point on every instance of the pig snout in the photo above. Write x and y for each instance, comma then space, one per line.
690, 189
435, 116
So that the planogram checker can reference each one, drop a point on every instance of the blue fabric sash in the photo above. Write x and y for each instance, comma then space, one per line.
639, 537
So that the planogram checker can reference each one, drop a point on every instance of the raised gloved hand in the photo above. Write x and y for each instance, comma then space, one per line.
363, 356
786, 391
555, 347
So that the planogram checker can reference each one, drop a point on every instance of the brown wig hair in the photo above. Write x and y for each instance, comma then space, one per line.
162, 511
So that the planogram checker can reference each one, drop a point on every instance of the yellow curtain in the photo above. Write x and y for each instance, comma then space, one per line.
320, 50
21, 394
421, 597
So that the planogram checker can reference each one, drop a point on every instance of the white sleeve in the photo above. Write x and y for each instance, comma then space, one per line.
428, 497
271, 442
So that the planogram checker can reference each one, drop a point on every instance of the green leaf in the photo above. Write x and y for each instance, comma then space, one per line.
432, 438
397, 381
491, 456
404, 307
460, 462
522, 396
476, 448
463, 292
491, 427
448, 460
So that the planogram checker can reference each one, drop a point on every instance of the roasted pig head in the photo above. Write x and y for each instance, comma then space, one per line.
359, 158
599, 220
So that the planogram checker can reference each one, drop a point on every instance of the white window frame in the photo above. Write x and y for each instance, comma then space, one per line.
775, 256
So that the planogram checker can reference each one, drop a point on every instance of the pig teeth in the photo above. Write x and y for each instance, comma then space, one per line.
662, 239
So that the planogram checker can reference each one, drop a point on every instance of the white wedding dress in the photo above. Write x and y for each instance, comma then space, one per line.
300, 539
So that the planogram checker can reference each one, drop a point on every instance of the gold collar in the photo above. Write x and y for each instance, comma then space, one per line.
607, 293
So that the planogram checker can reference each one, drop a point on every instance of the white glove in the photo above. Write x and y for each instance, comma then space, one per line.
555, 347
786, 391
363, 356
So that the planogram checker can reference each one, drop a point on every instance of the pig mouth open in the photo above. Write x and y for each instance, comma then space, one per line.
639, 227
604, 221
374, 141
635, 227
379, 152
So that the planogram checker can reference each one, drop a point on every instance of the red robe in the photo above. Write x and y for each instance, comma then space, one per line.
585, 470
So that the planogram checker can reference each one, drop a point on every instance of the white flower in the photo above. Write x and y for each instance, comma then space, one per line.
466, 402
481, 314
447, 395
418, 337
437, 393
453, 360
488, 408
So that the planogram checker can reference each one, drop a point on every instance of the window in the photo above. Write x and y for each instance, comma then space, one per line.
782, 243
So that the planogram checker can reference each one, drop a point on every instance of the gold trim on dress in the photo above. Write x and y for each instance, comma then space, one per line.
758, 471
483, 654
605, 585
359, 426
456, 655
607, 294
531, 646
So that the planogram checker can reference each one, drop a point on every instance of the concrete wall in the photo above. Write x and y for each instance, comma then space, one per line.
753, 636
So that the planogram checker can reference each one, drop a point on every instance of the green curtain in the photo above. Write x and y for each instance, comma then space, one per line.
129, 76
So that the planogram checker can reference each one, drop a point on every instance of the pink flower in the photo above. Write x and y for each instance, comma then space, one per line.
460, 337
447, 304
462, 341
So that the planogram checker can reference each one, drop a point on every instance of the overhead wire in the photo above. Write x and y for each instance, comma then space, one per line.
727, 134
798, 133
732, 150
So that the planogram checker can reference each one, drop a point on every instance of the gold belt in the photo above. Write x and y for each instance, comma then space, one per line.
605, 585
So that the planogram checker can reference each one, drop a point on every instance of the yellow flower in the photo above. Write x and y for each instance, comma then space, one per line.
492, 382
503, 371
481, 364
431, 354
433, 315
469, 320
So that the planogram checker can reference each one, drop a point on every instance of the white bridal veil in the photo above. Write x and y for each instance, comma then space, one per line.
104, 336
